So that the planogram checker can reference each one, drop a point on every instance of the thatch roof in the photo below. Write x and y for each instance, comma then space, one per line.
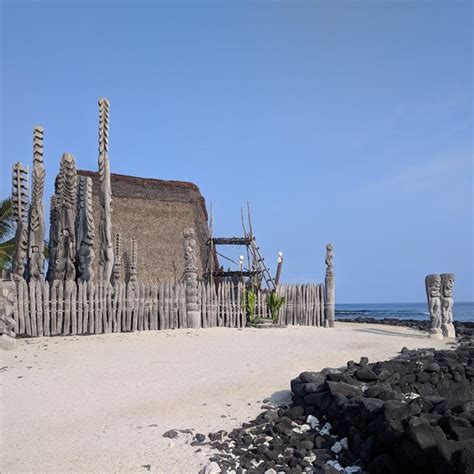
156, 212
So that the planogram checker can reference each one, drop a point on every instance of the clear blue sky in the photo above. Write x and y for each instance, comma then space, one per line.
344, 122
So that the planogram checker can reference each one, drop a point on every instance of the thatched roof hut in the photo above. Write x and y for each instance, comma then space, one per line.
156, 212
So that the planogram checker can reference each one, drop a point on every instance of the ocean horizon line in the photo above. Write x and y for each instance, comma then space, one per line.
408, 302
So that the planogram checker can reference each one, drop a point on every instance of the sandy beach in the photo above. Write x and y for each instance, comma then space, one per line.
102, 403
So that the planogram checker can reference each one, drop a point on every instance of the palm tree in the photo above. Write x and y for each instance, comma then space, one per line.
7, 231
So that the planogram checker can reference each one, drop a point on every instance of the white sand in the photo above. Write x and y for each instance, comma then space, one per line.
102, 403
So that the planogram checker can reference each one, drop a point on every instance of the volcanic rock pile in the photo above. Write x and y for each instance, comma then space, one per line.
412, 414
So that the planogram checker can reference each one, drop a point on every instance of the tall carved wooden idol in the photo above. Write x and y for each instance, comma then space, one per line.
447, 302
330, 286
63, 224
106, 251
20, 215
85, 231
35, 269
433, 293
190, 277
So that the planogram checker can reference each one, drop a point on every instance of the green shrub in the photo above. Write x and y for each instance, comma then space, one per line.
274, 303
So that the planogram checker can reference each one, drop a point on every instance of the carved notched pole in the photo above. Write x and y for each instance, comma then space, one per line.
20, 215
133, 261
330, 287
106, 253
85, 231
190, 277
35, 270
118, 258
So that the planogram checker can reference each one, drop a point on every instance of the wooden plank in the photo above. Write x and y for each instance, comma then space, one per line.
154, 308
294, 316
146, 316
97, 309
109, 305
115, 306
308, 304
221, 305
317, 305
83, 313
39, 307
74, 323
67, 308
54, 308
212, 304
19, 316
175, 303
60, 308
21, 307
80, 306
32, 307
141, 298
238, 300
173, 306
136, 297
167, 305
46, 320
323, 309
89, 319
225, 304
122, 312
146, 308
161, 306
130, 296
204, 307
182, 320
86, 323
216, 302
313, 305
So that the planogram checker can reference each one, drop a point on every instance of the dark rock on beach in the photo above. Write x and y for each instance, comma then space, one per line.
411, 414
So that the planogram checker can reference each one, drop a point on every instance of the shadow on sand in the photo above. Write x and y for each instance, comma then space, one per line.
280, 398
386, 332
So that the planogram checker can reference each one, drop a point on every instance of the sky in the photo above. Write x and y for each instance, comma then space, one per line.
348, 122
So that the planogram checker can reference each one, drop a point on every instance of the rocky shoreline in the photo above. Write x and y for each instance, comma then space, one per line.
411, 414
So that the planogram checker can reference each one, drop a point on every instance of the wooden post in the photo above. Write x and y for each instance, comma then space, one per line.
46, 314
330, 286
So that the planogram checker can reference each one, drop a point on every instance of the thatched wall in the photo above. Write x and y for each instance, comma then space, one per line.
156, 212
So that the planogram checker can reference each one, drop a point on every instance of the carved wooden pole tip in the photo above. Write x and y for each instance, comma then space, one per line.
329, 246
68, 157
104, 101
38, 129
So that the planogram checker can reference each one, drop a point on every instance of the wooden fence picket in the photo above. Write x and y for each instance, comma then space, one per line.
71, 308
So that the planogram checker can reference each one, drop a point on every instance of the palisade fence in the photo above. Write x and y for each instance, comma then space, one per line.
70, 308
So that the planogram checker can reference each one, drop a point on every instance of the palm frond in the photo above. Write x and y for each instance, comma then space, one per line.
6, 253
7, 223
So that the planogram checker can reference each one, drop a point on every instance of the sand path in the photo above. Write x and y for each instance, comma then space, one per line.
102, 403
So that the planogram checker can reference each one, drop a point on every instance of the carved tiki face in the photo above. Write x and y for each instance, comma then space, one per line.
433, 285
447, 282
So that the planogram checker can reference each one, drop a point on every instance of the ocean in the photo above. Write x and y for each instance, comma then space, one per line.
461, 311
